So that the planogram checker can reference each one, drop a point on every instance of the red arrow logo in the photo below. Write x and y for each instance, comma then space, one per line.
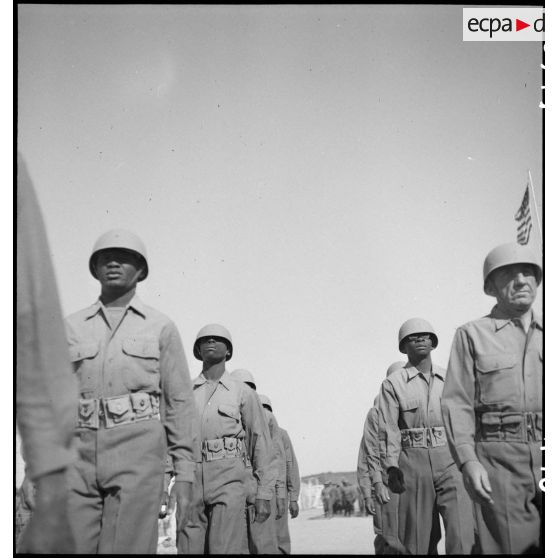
519, 25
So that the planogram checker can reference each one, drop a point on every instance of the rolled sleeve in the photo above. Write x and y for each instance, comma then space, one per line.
178, 408
458, 399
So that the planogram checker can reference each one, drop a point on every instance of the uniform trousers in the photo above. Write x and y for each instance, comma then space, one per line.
512, 525
116, 487
218, 525
263, 536
386, 527
282, 529
433, 485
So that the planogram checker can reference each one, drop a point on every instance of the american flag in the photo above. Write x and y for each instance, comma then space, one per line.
523, 218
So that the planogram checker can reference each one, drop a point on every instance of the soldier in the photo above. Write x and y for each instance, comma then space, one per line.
46, 397
136, 400
262, 537
492, 405
373, 451
417, 456
292, 482
232, 427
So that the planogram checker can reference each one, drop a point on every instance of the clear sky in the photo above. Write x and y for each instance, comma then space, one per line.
308, 176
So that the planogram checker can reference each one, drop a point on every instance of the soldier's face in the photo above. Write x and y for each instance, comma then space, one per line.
418, 345
118, 269
213, 349
514, 286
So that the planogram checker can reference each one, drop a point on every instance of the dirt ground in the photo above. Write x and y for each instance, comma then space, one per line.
312, 533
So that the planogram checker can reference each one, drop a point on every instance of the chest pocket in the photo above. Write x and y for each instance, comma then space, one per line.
144, 351
83, 351
82, 356
497, 378
229, 416
408, 412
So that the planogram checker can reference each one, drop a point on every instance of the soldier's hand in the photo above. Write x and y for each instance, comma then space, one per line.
263, 510
475, 479
396, 481
281, 507
293, 508
382, 493
182, 495
163, 510
369, 505
48, 530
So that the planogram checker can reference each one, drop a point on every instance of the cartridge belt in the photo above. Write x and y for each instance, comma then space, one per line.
494, 426
431, 437
110, 412
222, 448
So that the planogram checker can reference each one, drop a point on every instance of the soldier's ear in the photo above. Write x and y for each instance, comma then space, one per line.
490, 289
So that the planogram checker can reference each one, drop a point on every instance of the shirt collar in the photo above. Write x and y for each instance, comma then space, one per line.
135, 304
225, 379
412, 371
501, 319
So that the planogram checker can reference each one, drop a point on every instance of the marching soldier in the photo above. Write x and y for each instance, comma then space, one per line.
263, 537
46, 388
418, 462
135, 401
233, 428
373, 481
292, 483
492, 405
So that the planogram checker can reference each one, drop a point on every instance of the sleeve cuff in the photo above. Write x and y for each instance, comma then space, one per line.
377, 477
184, 471
465, 453
293, 497
392, 463
264, 493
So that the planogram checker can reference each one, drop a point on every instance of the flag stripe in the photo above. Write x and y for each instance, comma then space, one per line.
523, 218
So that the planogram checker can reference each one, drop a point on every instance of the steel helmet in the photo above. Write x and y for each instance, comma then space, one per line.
119, 238
393, 367
265, 401
245, 376
213, 330
509, 254
416, 325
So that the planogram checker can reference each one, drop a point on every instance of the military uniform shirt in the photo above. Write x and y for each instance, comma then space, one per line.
374, 448
228, 408
494, 366
142, 352
293, 474
46, 389
279, 462
408, 400
363, 475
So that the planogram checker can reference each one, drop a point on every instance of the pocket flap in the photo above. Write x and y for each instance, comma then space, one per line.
118, 406
490, 363
409, 404
146, 347
229, 410
83, 350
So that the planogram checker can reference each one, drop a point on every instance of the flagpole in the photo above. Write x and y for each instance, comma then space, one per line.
535, 204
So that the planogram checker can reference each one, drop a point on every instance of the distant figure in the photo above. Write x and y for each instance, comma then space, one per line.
46, 390
135, 402
349, 495
492, 405
418, 462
